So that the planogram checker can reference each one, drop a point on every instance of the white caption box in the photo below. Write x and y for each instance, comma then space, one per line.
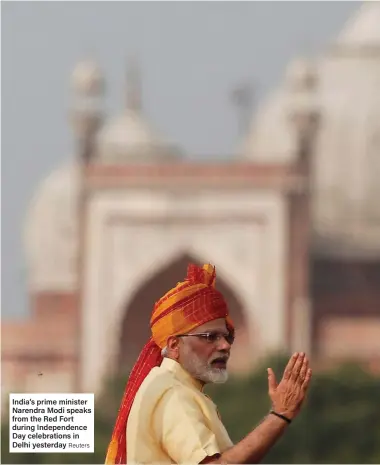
51, 423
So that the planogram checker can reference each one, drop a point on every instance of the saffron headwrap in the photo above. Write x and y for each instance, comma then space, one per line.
190, 304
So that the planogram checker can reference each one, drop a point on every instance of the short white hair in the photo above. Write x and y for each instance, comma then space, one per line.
164, 352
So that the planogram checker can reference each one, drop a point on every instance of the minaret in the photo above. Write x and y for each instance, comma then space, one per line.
86, 115
302, 82
87, 86
133, 86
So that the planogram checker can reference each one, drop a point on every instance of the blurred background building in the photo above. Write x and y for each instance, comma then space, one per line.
291, 221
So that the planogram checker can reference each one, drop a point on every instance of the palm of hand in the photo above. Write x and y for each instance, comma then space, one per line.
287, 396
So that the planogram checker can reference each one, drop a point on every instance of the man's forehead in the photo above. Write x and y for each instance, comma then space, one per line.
213, 325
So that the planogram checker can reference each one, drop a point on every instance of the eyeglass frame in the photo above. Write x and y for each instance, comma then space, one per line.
205, 335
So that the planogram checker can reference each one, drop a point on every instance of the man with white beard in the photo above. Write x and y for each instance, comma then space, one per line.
165, 417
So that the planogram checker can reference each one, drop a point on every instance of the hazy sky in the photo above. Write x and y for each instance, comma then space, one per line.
192, 54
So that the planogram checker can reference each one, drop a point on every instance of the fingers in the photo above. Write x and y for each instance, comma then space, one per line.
307, 379
297, 367
272, 383
304, 368
290, 365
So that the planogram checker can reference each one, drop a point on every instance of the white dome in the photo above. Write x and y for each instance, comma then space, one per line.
346, 167
363, 29
130, 138
51, 233
272, 137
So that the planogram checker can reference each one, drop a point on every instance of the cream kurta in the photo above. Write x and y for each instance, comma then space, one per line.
172, 421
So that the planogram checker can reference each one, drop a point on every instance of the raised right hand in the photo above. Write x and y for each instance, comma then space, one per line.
287, 396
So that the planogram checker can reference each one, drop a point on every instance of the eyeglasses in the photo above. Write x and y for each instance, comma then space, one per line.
213, 336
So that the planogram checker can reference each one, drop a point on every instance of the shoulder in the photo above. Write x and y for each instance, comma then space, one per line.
161, 393
156, 384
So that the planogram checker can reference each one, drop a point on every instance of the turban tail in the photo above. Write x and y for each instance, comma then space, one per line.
190, 304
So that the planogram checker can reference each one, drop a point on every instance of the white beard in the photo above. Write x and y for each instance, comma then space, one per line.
202, 370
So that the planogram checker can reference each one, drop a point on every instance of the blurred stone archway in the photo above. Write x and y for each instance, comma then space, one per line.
135, 326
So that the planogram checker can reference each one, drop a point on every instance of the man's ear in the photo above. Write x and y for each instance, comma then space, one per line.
173, 347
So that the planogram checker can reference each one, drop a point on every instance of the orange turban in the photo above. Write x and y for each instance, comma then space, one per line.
190, 304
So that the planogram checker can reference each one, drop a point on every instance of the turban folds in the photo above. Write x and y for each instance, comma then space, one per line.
190, 304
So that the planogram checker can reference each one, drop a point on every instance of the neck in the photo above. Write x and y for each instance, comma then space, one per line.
199, 381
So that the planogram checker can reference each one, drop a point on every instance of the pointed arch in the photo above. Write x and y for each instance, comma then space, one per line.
135, 329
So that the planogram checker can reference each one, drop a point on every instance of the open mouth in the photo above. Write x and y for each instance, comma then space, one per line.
219, 363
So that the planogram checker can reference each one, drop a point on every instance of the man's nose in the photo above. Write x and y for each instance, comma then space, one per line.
223, 344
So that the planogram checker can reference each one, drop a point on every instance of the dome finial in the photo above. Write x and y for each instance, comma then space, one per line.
87, 78
133, 85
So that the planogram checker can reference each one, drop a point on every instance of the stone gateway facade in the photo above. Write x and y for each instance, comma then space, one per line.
291, 222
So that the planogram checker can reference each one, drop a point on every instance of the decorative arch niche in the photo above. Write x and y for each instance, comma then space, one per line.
135, 330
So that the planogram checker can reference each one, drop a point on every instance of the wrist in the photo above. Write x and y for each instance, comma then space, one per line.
286, 418
288, 413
